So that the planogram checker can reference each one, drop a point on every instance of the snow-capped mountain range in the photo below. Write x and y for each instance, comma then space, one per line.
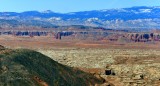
134, 17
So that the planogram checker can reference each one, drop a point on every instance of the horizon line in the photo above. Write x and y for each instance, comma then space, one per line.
74, 11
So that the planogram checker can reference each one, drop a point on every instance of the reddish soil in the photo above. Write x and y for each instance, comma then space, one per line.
46, 42
39, 81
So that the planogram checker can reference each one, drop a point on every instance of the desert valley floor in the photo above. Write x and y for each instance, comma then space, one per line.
120, 64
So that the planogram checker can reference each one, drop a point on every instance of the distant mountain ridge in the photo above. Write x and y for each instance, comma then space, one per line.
134, 17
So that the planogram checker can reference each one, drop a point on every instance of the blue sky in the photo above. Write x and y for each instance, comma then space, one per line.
64, 6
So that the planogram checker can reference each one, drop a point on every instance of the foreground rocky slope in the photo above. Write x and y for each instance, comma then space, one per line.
121, 67
29, 68
99, 58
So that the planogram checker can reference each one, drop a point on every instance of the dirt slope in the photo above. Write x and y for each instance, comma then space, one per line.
29, 68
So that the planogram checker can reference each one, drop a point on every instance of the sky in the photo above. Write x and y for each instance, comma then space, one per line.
65, 6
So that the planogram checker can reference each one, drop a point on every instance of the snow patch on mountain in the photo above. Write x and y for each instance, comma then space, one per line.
145, 10
54, 18
92, 19
46, 11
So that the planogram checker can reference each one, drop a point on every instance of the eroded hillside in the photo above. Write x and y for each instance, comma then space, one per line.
29, 68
